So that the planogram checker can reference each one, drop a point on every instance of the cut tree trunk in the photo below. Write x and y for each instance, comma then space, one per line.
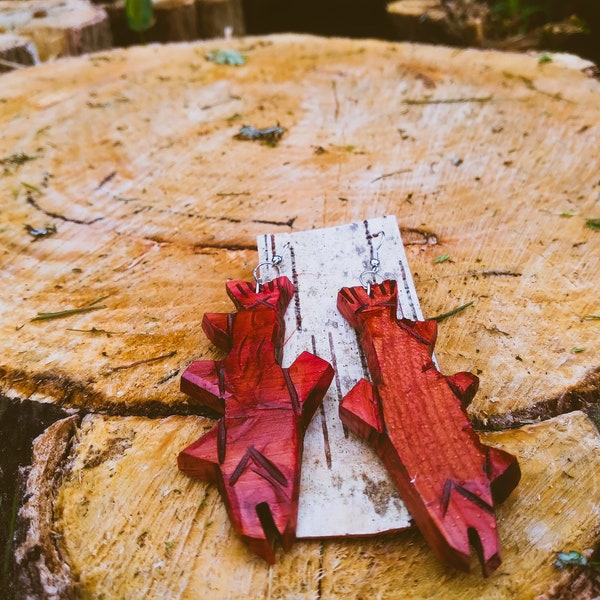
128, 524
174, 21
179, 20
16, 52
126, 202
219, 18
57, 27
419, 20
41, 569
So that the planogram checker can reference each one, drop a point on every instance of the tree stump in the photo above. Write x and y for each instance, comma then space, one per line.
15, 52
179, 20
57, 27
127, 202
218, 17
174, 21
411, 17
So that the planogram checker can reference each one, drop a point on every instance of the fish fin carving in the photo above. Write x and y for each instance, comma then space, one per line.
464, 385
310, 377
200, 459
503, 471
218, 328
360, 412
202, 383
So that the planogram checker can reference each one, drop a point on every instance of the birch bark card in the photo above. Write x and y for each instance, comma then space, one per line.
345, 490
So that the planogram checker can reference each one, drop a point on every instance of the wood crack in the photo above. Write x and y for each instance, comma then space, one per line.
42, 570
289, 223
21, 421
33, 202
583, 395
71, 395
222, 219
78, 395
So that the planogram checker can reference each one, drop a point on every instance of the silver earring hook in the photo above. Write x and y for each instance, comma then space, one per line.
271, 264
374, 263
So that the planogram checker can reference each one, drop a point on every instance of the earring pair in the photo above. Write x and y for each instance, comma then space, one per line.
412, 415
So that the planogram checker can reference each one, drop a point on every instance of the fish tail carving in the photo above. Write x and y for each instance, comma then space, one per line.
360, 412
468, 522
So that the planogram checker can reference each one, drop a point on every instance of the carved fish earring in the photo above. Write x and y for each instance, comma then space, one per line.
254, 452
415, 419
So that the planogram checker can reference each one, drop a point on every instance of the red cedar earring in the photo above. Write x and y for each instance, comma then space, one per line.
415, 419
254, 452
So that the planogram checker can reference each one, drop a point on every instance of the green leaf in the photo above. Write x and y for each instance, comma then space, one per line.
20, 158
46, 316
544, 58
593, 224
441, 259
139, 14
577, 350
529, 11
31, 187
568, 213
453, 312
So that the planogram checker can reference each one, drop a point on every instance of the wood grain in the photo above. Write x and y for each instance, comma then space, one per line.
126, 225
169, 535
57, 27
483, 156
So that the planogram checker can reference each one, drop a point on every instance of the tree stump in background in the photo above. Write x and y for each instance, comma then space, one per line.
127, 202
16, 51
174, 21
57, 27
415, 20
218, 17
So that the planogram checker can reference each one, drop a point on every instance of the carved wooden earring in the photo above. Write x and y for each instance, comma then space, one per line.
254, 452
415, 419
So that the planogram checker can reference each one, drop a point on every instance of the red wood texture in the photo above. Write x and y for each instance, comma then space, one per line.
254, 452
415, 419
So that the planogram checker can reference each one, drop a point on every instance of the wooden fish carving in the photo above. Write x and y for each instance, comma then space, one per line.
254, 452
415, 419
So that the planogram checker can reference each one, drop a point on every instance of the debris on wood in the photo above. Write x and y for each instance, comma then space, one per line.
16, 159
269, 136
593, 224
39, 233
452, 312
226, 57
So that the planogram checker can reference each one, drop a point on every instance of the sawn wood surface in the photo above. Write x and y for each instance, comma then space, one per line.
487, 158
